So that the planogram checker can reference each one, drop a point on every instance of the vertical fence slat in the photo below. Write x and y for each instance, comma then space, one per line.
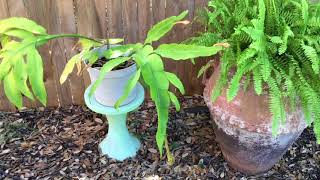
68, 25
144, 18
115, 19
197, 86
4, 9
58, 56
100, 6
130, 16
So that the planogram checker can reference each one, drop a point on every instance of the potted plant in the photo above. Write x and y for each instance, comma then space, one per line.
21, 62
265, 89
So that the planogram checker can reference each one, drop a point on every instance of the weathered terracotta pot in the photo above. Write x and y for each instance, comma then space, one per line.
243, 129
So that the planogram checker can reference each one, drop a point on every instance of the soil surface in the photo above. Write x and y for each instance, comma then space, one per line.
63, 144
100, 62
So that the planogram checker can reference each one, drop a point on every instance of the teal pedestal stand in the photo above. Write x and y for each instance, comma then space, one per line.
119, 143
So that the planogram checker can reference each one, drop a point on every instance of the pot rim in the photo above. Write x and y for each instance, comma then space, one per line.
117, 73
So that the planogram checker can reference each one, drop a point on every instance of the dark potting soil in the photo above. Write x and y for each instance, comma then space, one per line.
100, 62
63, 144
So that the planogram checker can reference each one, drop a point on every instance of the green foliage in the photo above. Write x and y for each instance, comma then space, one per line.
163, 27
277, 43
148, 60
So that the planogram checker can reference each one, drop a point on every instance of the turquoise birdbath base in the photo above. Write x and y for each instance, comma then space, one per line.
119, 143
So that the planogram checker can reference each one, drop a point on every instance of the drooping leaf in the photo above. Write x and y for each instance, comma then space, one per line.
129, 87
175, 101
155, 62
35, 72
21, 23
69, 68
11, 90
163, 27
21, 77
162, 100
107, 67
20, 33
161, 80
183, 51
175, 81
5, 67
141, 55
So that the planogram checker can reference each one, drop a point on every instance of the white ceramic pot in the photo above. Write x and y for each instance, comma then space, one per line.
113, 85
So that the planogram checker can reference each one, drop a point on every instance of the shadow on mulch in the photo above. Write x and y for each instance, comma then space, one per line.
63, 143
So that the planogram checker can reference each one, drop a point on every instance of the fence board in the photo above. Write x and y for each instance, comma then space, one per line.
68, 26
130, 16
115, 19
145, 19
196, 86
129, 19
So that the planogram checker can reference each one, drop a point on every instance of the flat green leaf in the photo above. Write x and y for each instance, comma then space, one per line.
87, 44
4, 40
11, 90
129, 87
35, 72
69, 68
20, 33
163, 27
118, 51
161, 80
175, 81
155, 62
162, 101
21, 77
175, 101
107, 67
141, 56
21, 23
183, 51
5, 67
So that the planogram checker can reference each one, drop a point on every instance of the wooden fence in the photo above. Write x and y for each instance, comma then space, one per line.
128, 19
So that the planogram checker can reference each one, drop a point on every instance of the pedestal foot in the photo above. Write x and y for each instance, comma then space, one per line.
119, 143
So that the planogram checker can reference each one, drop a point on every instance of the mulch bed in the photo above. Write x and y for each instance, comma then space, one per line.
63, 144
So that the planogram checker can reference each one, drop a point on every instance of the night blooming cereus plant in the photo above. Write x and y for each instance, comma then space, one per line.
21, 62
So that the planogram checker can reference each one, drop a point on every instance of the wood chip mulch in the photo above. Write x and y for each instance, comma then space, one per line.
63, 144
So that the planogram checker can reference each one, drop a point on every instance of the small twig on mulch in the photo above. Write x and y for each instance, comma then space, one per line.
63, 143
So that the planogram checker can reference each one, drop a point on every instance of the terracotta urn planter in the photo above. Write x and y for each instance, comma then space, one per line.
243, 129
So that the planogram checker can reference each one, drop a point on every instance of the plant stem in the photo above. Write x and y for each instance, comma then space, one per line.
56, 36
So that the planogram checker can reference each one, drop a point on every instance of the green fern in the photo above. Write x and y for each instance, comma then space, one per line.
281, 39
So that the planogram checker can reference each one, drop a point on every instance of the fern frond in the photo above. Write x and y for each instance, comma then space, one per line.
312, 55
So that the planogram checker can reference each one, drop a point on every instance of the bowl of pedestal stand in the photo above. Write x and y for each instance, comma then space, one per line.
119, 144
